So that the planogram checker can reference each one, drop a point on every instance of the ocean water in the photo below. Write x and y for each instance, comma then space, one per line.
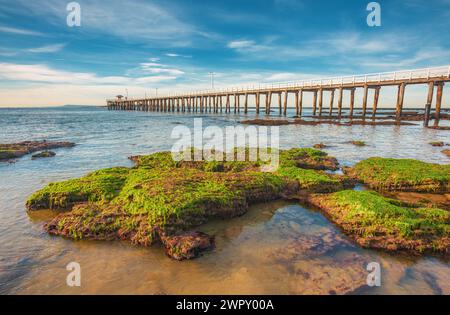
247, 247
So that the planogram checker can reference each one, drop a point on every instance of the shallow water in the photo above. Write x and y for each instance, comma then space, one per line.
256, 253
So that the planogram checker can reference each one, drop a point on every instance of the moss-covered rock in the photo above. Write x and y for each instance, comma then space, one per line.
308, 158
358, 143
402, 175
43, 154
98, 186
320, 146
437, 143
160, 197
10, 151
187, 245
378, 222
313, 181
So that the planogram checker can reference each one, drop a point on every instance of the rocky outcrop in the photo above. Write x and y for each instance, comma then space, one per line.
16, 150
401, 175
43, 154
187, 245
376, 222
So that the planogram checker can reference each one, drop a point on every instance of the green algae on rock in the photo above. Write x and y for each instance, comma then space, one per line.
358, 143
313, 181
10, 151
98, 186
160, 197
320, 146
437, 143
308, 158
402, 175
43, 154
382, 223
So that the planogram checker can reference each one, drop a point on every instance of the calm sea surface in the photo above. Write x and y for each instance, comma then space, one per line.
253, 253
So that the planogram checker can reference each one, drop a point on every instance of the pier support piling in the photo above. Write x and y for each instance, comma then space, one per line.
439, 92
376, 97
331, 102
246, 103
314, 103
285, 102
279, 103
320, 101
341, 92
300, 104
364, 106
257, 103
352, 102
400, 98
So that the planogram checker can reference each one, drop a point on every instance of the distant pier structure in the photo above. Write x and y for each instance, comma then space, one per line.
236, 99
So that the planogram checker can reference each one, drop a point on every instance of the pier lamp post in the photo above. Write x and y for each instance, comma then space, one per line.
212, 74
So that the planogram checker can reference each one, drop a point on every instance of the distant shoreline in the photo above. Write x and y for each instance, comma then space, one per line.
250, 107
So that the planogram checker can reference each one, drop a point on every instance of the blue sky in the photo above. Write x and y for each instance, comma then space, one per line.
172, 45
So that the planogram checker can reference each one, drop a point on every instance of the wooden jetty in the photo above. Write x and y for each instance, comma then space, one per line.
229, 100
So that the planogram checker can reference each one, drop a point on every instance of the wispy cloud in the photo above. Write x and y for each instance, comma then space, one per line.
44, 74
137, 19
46, 49
424, 57
18, 31
241, 44
335, 46
157, 68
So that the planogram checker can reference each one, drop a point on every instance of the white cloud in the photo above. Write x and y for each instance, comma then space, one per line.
18, 31
46, 49
174, 55
424, 57
45, 74
342, 49
241, 44
135, 19
158, 68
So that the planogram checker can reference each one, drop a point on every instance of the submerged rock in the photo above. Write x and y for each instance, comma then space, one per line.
339, 276
358, 143
319, 146
188, 245
43, 154
402, 175
309, 246
437, 143
266, 122
15, 150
